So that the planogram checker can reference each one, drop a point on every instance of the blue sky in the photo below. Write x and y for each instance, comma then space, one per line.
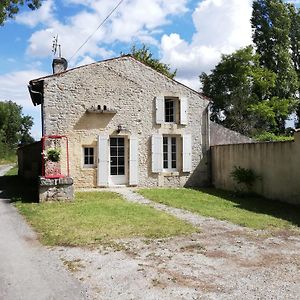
189, 35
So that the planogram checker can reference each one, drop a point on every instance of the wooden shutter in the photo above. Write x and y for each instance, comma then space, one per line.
133, 160
160, 109
186, 153
103, 161
183, 111
157, 153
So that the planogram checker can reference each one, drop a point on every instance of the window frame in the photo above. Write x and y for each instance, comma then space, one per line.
174, 108
89, 156
170, 153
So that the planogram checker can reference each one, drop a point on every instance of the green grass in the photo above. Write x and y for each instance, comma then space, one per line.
13, 171
7, 157
253, 212
98, 217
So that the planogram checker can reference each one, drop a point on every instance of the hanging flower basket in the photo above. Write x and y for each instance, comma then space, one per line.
52, 154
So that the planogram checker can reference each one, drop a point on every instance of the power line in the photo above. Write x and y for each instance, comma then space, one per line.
90, 36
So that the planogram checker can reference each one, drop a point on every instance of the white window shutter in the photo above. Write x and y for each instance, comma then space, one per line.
133, 160
157, 153
186, 153
160, 109
103, 160
183, 111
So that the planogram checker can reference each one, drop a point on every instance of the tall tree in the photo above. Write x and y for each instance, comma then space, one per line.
295, 47
236, 86
271, 24
9, 8
14, 126
144, 55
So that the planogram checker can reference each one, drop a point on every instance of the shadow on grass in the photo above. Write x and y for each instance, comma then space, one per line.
258, 204
14, 188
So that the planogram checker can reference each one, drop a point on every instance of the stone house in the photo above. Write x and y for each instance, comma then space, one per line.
126, 124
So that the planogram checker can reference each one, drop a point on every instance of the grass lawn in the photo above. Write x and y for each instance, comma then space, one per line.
98, 217
253, 212
13, 171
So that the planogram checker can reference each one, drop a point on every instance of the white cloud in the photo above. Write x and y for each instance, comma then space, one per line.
135, 20
222, 26
43, 15
13, 86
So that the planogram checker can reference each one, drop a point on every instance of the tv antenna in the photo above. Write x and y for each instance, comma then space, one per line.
56, 47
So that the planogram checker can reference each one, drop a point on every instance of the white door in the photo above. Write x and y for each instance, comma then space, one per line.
118, 161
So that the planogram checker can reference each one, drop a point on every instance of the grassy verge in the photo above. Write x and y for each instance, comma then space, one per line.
7, 157
13, 171
98, 217
253, 212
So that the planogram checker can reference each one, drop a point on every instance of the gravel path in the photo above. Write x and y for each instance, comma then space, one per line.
223, 261
28, 270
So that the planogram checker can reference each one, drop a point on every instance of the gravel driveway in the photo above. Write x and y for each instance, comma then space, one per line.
223, 261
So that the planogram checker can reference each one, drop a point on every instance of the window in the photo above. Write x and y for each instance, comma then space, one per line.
117, 156
88, 156
169, 153
170, 112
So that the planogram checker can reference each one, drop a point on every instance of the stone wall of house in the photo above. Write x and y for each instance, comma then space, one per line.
220, 135
130, 88
276, 162
30, 160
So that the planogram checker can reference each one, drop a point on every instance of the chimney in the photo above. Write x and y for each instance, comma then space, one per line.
59, 65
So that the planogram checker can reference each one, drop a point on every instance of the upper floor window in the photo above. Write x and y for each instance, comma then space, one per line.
88, 156
170, 110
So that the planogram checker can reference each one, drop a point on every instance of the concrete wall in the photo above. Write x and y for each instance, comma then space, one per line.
30, 160
220, 135
130, 88
278, 163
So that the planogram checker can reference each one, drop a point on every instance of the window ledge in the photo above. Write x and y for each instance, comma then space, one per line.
88, 167
170, 173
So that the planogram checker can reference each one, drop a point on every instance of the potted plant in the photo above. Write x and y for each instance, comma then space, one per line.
52, 154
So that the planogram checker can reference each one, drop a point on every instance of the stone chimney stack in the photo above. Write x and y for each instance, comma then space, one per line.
59, 65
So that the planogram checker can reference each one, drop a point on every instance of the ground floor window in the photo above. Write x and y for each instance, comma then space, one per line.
88, 156
169, 153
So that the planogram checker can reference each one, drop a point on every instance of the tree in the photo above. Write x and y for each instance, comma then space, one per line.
14, 126
271, 26
9, 8
236, 85
295, 46
272, 29
144, 55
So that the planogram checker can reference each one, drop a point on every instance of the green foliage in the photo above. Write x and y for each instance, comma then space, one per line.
276, 35
254, 212
99, 217
244, 176
271, 137
14, 128
53, 154
271, 114
9, 8
144, 55
236, 84
271, 26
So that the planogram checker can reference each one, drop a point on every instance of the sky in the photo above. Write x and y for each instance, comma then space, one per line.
189, 35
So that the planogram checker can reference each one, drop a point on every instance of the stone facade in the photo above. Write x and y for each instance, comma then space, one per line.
220, 135
118, 98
